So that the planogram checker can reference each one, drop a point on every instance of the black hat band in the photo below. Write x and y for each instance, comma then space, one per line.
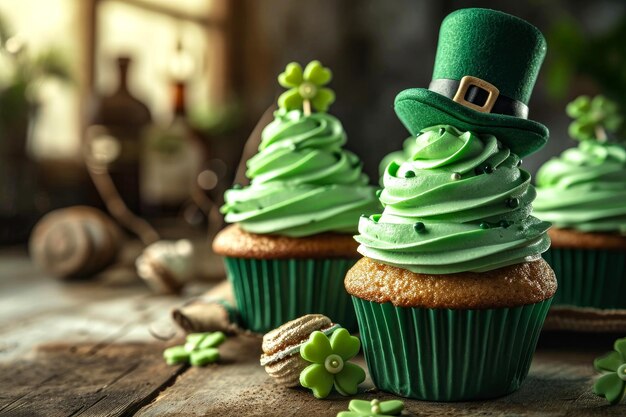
479, 95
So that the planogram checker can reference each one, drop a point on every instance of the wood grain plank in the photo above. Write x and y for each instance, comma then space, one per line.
105, 363
37, 309
114, 381
98, 357
559, 385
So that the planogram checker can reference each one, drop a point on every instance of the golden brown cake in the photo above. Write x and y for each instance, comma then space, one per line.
237, 243
514, 285
570, 238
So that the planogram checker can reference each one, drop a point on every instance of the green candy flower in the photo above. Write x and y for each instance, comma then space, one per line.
306, 89
594, 118
330, 364
199, 349
361, 408
612, 385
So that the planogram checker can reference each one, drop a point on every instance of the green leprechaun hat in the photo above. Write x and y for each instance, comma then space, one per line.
485, 69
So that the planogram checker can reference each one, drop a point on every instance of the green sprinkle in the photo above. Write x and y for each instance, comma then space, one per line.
442, 131
485, 169
484, 226
512, 202
204, 356
519, 163
409, 174
455, 176
212, 340
175, 355
419, 227
378, 193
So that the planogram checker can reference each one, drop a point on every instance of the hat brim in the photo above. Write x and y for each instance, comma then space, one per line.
419, 108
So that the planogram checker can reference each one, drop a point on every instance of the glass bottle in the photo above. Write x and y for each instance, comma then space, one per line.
171, 160
123, 117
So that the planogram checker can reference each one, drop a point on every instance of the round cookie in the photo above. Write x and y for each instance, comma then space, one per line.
281, 347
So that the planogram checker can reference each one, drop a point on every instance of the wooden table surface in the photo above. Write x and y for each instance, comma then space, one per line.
88, 349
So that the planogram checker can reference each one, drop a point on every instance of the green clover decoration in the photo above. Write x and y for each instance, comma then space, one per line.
199, 349
361, 408
306, 89
593, 118
329, 363
612, 385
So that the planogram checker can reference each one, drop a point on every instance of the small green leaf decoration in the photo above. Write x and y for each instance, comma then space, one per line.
199, 349
329, 364
612, 385
362, 408
306, 88
594, 119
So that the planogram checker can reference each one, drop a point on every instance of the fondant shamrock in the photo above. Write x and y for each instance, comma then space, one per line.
306, 89
361, 408
330, 364
594, 118
199, 349
612, 385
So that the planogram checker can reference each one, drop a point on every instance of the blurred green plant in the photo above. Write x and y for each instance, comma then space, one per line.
216, 120
594, 119
601, 58
22, 74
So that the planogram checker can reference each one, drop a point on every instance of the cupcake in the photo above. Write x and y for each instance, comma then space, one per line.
290, 242
583, 193
452, 292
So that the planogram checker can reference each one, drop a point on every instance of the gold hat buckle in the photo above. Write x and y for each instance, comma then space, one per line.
469, 81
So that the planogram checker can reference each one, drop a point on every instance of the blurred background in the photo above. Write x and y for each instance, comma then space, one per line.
166, 93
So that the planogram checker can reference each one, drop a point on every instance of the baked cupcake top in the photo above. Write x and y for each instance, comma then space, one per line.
585, 187
460, 203
302, 181
509, 286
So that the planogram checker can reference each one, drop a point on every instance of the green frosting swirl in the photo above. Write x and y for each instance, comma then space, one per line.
460, 203
584, 188
302, 181
399, 157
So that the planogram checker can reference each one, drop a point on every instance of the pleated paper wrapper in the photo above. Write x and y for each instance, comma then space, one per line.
270, 292
449, 355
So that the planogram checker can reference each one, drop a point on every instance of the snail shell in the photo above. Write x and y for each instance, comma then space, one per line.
74, 242
166, 265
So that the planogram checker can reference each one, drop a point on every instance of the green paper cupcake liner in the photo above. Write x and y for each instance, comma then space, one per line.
449, 355
270, 292
589, 277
